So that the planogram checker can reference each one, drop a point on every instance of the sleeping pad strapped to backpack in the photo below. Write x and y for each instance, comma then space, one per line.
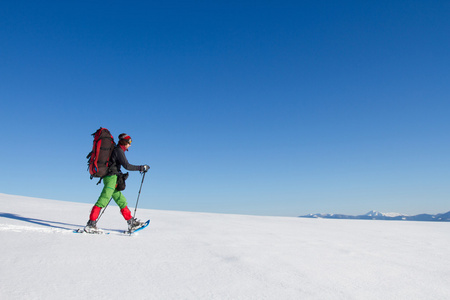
98, 158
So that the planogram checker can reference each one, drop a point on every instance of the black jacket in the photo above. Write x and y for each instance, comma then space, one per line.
119, 159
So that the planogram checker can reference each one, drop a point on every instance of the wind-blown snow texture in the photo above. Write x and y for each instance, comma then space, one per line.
185, 255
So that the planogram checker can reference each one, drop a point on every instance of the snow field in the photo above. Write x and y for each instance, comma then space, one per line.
185, 255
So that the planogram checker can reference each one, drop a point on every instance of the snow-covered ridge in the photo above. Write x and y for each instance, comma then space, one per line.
375, 215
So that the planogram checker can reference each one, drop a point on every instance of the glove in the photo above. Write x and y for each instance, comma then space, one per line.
145, 168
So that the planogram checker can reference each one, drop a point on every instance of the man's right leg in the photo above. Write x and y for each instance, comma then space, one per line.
106, 194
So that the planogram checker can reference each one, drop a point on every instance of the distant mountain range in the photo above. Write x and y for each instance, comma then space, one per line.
375, 215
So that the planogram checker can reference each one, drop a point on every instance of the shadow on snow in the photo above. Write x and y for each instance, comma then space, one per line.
46, 223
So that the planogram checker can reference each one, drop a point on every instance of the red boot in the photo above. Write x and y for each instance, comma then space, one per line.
94, 213
126, 213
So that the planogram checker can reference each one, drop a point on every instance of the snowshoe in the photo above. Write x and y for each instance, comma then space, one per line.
91, 227
134, 224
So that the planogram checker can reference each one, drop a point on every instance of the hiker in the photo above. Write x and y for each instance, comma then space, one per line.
114, 182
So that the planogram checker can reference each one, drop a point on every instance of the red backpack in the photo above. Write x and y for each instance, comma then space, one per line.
98, 158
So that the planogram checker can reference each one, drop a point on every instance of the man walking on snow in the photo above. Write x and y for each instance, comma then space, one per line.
117, 160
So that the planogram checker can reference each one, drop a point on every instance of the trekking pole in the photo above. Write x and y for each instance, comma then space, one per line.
103, 210
137, 201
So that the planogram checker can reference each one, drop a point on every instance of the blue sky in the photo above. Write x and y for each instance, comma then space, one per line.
274, 108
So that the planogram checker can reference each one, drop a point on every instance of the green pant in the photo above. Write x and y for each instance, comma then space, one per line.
109, 190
